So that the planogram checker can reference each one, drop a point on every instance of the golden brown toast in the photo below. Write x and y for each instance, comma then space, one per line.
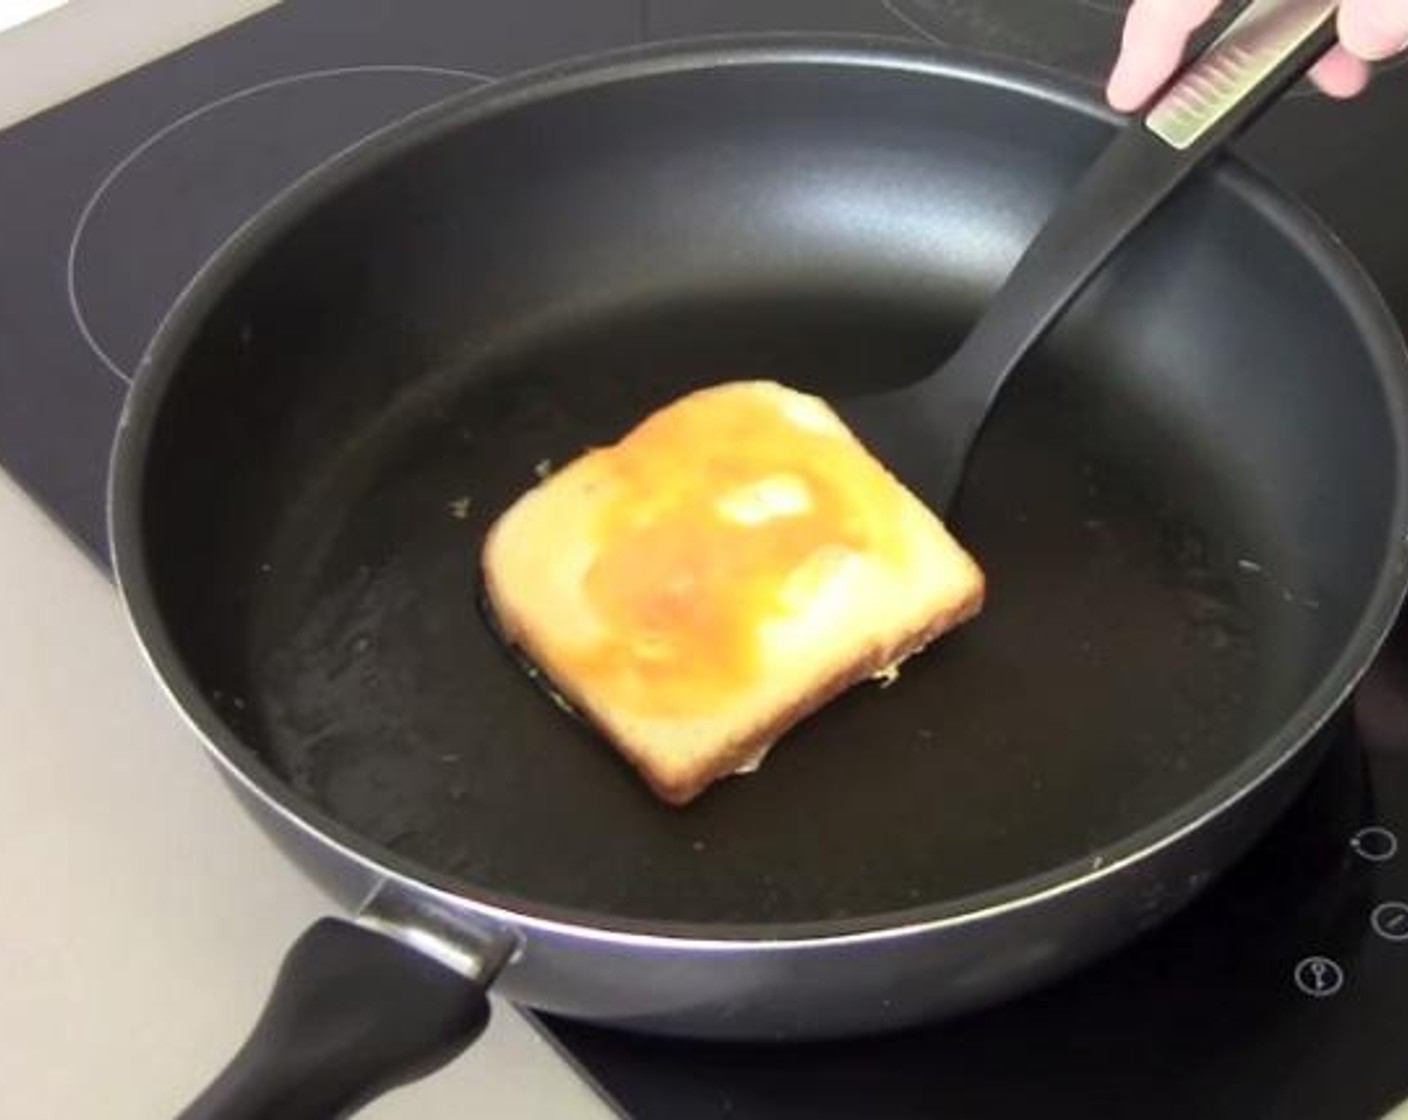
733, 563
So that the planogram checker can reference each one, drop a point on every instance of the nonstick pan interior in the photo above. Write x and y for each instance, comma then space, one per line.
1181, 505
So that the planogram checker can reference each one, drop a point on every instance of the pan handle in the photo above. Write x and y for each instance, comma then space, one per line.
358, 1008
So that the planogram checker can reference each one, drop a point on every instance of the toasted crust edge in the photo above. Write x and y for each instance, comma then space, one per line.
855, 673
681, 791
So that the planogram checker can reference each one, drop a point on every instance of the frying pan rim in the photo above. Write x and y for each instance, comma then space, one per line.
1339, 269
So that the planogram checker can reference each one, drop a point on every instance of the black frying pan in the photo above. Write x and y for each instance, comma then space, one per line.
1190, 507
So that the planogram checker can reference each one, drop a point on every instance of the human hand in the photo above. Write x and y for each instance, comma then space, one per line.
1157, 31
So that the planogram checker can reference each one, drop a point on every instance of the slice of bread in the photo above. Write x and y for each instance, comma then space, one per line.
734, 562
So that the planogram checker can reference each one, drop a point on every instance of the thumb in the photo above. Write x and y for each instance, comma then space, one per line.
1374, 29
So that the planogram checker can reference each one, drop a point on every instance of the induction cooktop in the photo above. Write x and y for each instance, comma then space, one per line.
1283, 992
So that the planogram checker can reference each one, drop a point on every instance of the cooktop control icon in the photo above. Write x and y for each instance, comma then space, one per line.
1319, 977
1390, 920
1375, 843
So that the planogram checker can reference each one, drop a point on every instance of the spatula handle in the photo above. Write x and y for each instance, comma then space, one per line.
1269, 46
1264, 49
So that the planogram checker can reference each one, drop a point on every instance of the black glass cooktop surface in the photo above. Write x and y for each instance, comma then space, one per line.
1282, 993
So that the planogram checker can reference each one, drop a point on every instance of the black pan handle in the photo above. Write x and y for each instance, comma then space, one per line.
1266, 49
353, 1014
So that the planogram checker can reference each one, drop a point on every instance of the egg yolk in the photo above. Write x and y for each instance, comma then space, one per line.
724, 512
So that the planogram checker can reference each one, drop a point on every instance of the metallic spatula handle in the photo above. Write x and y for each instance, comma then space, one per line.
1238, 64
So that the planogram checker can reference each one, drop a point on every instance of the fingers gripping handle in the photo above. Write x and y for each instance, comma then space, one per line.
1267, 47
352, 1014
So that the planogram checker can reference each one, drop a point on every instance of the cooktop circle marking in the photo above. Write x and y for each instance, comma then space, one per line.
1319, 977
913, 24
1374, 843
1118, 8
105, 184
923, 30
1390, 920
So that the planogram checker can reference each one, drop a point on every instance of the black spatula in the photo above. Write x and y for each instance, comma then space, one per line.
926, 431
